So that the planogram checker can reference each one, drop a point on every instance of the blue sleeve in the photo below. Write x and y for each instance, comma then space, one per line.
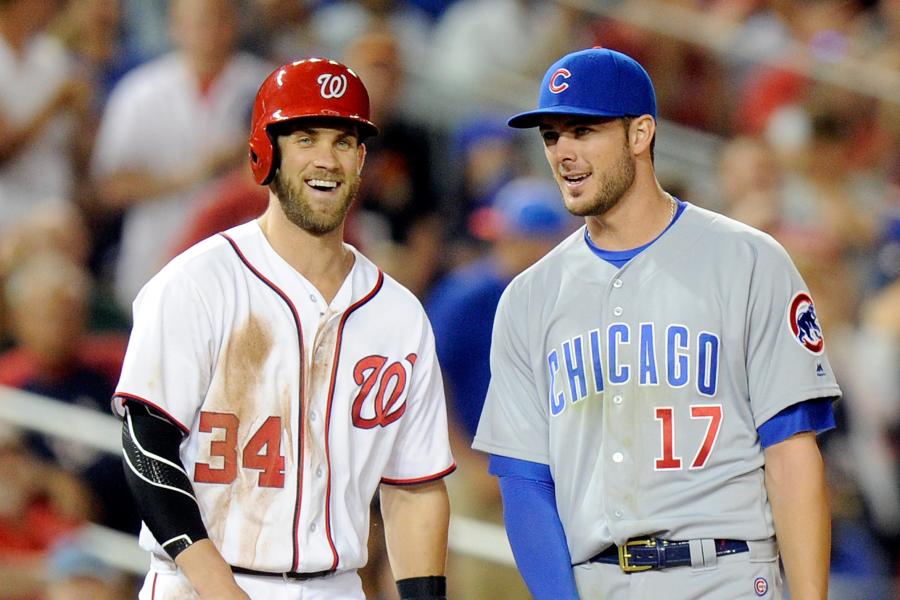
811, 415
533, 527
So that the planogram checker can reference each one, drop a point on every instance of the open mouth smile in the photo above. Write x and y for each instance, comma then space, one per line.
323, 185
575, 180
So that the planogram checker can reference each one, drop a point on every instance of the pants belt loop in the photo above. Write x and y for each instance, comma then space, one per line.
696, 554
763, 550
708, 558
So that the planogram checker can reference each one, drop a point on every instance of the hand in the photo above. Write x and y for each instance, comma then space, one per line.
208, 573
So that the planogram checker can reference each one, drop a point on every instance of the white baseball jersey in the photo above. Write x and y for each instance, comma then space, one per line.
642, 387
294, 410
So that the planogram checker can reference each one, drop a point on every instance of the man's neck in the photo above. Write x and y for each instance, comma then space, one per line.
638, 218
205, 72
324, 260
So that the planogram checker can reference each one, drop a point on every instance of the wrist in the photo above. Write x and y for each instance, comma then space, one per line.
432, 587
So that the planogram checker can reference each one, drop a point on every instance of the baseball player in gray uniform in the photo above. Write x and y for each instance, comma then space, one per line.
657, 380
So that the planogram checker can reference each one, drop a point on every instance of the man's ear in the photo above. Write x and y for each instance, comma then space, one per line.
641, 132
361, 157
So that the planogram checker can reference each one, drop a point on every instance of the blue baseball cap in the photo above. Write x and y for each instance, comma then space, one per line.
597, 82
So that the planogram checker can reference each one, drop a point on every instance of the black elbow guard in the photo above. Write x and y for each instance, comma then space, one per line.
161, 487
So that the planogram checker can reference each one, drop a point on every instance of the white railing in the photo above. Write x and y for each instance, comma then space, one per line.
29, 411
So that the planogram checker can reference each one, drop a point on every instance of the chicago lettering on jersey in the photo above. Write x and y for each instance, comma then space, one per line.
674, 356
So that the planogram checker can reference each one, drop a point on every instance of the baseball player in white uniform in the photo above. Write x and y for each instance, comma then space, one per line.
275, 378
657, 380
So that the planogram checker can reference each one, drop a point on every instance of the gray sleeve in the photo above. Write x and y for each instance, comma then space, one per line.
786, 360
514, 419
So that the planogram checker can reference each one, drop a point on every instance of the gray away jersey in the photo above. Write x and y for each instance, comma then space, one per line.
642, 387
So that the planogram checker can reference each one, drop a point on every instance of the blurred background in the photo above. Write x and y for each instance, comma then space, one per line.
123, 128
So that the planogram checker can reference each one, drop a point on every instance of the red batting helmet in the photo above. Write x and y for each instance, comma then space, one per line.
314, 87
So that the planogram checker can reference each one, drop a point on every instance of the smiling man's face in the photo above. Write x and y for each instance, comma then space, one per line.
318, 175
591, 161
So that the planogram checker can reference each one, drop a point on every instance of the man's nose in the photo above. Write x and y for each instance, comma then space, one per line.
565, 149
325, 156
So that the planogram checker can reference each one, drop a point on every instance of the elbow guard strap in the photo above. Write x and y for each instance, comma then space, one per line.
158, 481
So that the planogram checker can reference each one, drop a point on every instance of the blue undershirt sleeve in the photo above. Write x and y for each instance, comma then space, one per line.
810, 415
533, 527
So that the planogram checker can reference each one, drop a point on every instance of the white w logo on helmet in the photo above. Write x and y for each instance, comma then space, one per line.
332, 86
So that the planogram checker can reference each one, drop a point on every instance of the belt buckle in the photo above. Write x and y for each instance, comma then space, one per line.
625, 555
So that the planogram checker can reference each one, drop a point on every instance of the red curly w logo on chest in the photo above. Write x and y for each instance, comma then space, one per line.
385, 385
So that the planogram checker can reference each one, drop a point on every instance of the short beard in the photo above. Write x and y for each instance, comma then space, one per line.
612, 187
298, 211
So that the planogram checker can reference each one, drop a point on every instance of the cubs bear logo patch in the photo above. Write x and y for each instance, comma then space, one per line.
804, 323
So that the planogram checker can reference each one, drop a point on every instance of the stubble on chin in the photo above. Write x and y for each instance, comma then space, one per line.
296, 206
611, 187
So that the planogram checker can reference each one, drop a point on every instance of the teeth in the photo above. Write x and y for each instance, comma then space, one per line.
321, 183
575, 178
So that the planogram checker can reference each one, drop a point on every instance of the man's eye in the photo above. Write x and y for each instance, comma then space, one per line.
344, 144
582, 130
550, 136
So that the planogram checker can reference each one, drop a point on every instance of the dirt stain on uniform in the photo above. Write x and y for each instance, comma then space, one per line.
319, 380
238, 385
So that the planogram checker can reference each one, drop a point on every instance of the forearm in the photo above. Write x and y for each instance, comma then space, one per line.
535, 531
208, 572
795, 482
127, 188
165, 499
12, 141
416, 520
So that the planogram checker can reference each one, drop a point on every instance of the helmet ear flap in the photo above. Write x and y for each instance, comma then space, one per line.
274, 158
262, 152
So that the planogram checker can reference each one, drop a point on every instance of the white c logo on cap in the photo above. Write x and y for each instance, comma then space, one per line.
555, 87
332, 86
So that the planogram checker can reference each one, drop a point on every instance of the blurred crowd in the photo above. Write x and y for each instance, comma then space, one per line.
123, 127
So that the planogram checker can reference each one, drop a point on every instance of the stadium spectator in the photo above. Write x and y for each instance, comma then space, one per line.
47, 296
170, 126
40, 504
73, 573
395, 218
39, 94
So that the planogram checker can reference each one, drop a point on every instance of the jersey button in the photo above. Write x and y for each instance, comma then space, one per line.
617, 283
617, 311
618, 457
617, 399
312, 416
619, 514
312, 528
319, 471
